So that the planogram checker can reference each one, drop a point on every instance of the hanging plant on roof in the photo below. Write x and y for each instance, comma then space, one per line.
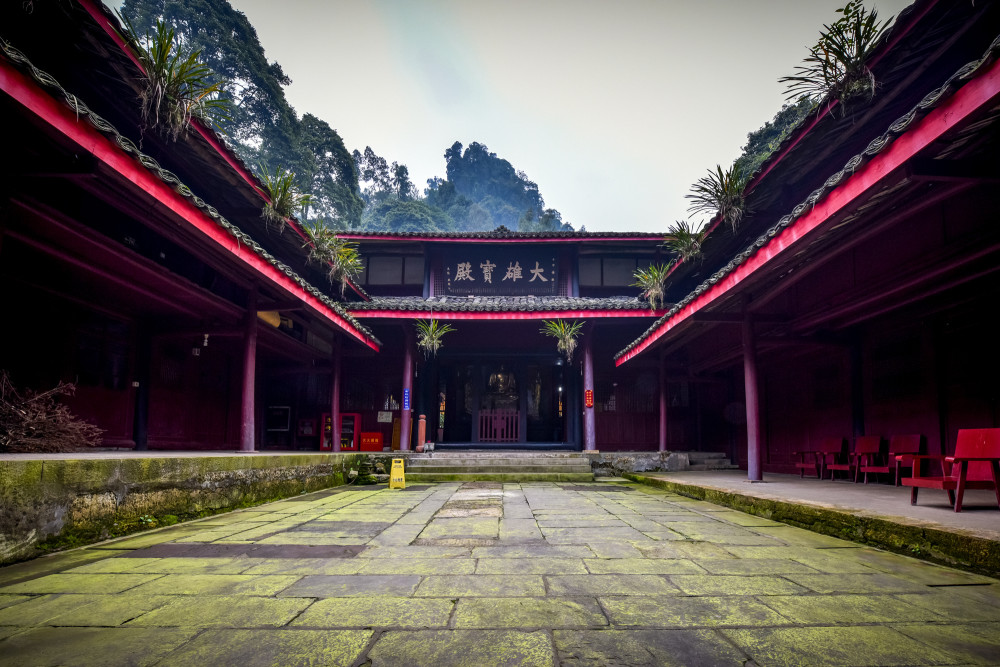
176, 87
836, 65
286, 198
339, 257
651, 280
565, 334
430, 334
720, 194
684, 239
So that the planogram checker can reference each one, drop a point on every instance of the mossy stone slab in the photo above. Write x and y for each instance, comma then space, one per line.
217, 584
284, 648
609, 584
81, 583
377, 611
424, 566
85, 647
334, 586
843, 645
976, 644
645, 648
482, 585
460, 648
223, 611
538, 565
529, 613
690, 612
641, 566
876, 582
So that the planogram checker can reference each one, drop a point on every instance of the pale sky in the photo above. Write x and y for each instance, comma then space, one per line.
614, 108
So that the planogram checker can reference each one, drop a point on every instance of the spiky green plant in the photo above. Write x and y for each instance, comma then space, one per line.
176, 86
836, 65
430, 334
684, 239
565, 334
338, 256
720, 193
286, 198
651, 280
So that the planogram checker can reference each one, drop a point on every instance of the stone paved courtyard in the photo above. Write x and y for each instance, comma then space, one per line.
488, 574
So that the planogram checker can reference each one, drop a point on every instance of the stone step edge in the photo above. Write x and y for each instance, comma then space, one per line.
500, 477
512, 470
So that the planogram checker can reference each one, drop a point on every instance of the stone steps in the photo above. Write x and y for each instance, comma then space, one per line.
506, 466
709, 461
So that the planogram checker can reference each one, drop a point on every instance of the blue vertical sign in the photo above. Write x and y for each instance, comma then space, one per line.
406, 399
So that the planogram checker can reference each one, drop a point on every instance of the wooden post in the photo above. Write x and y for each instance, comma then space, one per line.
421, 430
335, 399
143, 363
589, 428
247, 430
754, 473
664, 403
407, 397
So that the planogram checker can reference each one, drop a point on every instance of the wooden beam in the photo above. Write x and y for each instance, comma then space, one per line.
959, 171
736, 318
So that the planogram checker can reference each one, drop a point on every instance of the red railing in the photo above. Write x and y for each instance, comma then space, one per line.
499, 425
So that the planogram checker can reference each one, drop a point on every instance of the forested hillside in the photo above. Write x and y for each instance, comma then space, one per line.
358, 190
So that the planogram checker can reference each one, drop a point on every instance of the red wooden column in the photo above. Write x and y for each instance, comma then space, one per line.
589, 428
663, 404
335, 398
406, 402
247, 428
754, 473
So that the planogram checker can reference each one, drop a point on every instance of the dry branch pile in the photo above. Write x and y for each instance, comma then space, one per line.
36, 422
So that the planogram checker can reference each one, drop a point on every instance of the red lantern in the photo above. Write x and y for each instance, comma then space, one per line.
588, 398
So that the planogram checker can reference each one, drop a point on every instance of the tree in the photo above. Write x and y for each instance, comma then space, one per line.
764, 141
329, 174
263, 127
401, 215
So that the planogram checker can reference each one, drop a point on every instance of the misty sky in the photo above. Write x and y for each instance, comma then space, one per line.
613, 107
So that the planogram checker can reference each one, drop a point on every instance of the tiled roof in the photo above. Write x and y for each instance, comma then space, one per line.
929, 102
82, 111
498, 304
502, 233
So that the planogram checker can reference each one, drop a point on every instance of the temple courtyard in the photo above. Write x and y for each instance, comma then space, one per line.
611, 572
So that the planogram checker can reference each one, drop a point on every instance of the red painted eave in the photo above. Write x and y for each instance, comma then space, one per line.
64, 121
504, 315
976, 94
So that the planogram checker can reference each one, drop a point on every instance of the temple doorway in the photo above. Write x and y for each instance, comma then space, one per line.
502, 402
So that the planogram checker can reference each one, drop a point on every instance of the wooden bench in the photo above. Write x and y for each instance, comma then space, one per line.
975, 465
830, 450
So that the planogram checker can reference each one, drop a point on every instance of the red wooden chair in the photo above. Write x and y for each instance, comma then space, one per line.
849, 464
817, 460
901, 451
867, 454
975, 465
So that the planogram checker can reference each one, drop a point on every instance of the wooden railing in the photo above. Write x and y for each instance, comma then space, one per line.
499, 425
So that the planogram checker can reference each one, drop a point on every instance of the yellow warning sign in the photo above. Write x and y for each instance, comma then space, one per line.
397, 479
